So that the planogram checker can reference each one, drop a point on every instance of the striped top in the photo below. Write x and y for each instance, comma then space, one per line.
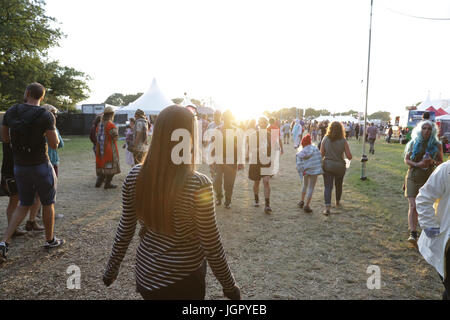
163, 260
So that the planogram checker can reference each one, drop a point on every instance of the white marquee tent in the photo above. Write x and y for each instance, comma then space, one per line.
152, 102
337, 118
436, 104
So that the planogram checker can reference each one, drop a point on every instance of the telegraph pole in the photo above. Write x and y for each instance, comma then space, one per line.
364, 157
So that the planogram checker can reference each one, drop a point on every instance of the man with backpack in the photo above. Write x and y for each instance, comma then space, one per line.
27, 126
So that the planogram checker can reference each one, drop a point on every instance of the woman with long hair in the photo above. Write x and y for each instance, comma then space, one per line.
174, 205
422, 154
106, 152
333, 148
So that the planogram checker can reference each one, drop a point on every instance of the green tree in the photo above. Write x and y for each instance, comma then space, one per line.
116, 99
26, 34
381, 115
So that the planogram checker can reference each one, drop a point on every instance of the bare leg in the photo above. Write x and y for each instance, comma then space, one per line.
16, 219
12, 205
256, 187
48, 217
34, 209
266, 180
412, 214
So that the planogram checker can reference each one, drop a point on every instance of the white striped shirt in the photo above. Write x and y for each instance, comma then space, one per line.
163, 260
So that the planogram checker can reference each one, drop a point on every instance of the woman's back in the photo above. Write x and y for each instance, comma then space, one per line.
334, 150
162, 260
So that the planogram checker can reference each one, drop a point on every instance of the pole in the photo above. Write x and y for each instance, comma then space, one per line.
364, 157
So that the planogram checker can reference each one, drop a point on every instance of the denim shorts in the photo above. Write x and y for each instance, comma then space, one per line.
40, 179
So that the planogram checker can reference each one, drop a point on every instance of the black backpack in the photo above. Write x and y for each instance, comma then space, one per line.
22, 139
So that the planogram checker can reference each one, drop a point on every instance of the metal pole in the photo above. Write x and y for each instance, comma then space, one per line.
364, 157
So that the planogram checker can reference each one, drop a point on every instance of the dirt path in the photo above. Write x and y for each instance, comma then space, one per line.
286, 255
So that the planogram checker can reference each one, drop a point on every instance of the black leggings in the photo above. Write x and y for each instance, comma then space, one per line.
190, 288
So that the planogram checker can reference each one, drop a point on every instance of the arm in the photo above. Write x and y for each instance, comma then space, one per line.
322, 148
61, 142
348, 153
5, 134
209, 236
422, 164
432, 190
125, 231
52, 138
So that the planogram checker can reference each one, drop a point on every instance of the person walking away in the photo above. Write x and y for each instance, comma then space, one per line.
107, 154
140, 143
372, 132
422, 154
225, 172
297, 133
215, 124
357, 131
129, 139
309, 167
27, 126
390, 132
255, 173
53, 153
174, 205
433, 209
286, 132
334, 147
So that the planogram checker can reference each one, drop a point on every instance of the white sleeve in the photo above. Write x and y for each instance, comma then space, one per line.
432, 190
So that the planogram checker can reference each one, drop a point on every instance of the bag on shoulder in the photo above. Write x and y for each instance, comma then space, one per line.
22, 139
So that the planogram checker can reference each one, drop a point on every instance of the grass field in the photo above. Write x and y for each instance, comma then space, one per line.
286, 255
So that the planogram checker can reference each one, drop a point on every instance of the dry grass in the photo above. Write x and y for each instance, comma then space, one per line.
286, 255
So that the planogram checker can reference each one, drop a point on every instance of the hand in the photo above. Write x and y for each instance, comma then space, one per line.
108, 280
233, 294
424, 164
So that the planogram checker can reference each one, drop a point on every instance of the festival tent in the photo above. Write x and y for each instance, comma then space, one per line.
441, 112
336, 118
152, 102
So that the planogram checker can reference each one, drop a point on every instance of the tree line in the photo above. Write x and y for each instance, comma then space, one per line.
26, 35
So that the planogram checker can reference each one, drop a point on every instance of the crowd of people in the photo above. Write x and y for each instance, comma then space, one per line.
175, 205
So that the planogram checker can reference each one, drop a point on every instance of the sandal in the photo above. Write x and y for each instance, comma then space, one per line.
301, 204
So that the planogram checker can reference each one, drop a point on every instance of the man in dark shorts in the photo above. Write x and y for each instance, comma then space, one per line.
254, 172
9, 188
26, 126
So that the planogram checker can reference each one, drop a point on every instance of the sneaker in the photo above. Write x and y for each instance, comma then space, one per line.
33, 225
268, 210
3, 251
327, 212
227, 205
308, 209
301, 204
413, 240
59, 216
218, 202
19, 232
55, 243
256, 203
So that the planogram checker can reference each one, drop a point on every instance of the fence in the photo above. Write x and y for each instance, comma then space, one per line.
80, 123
